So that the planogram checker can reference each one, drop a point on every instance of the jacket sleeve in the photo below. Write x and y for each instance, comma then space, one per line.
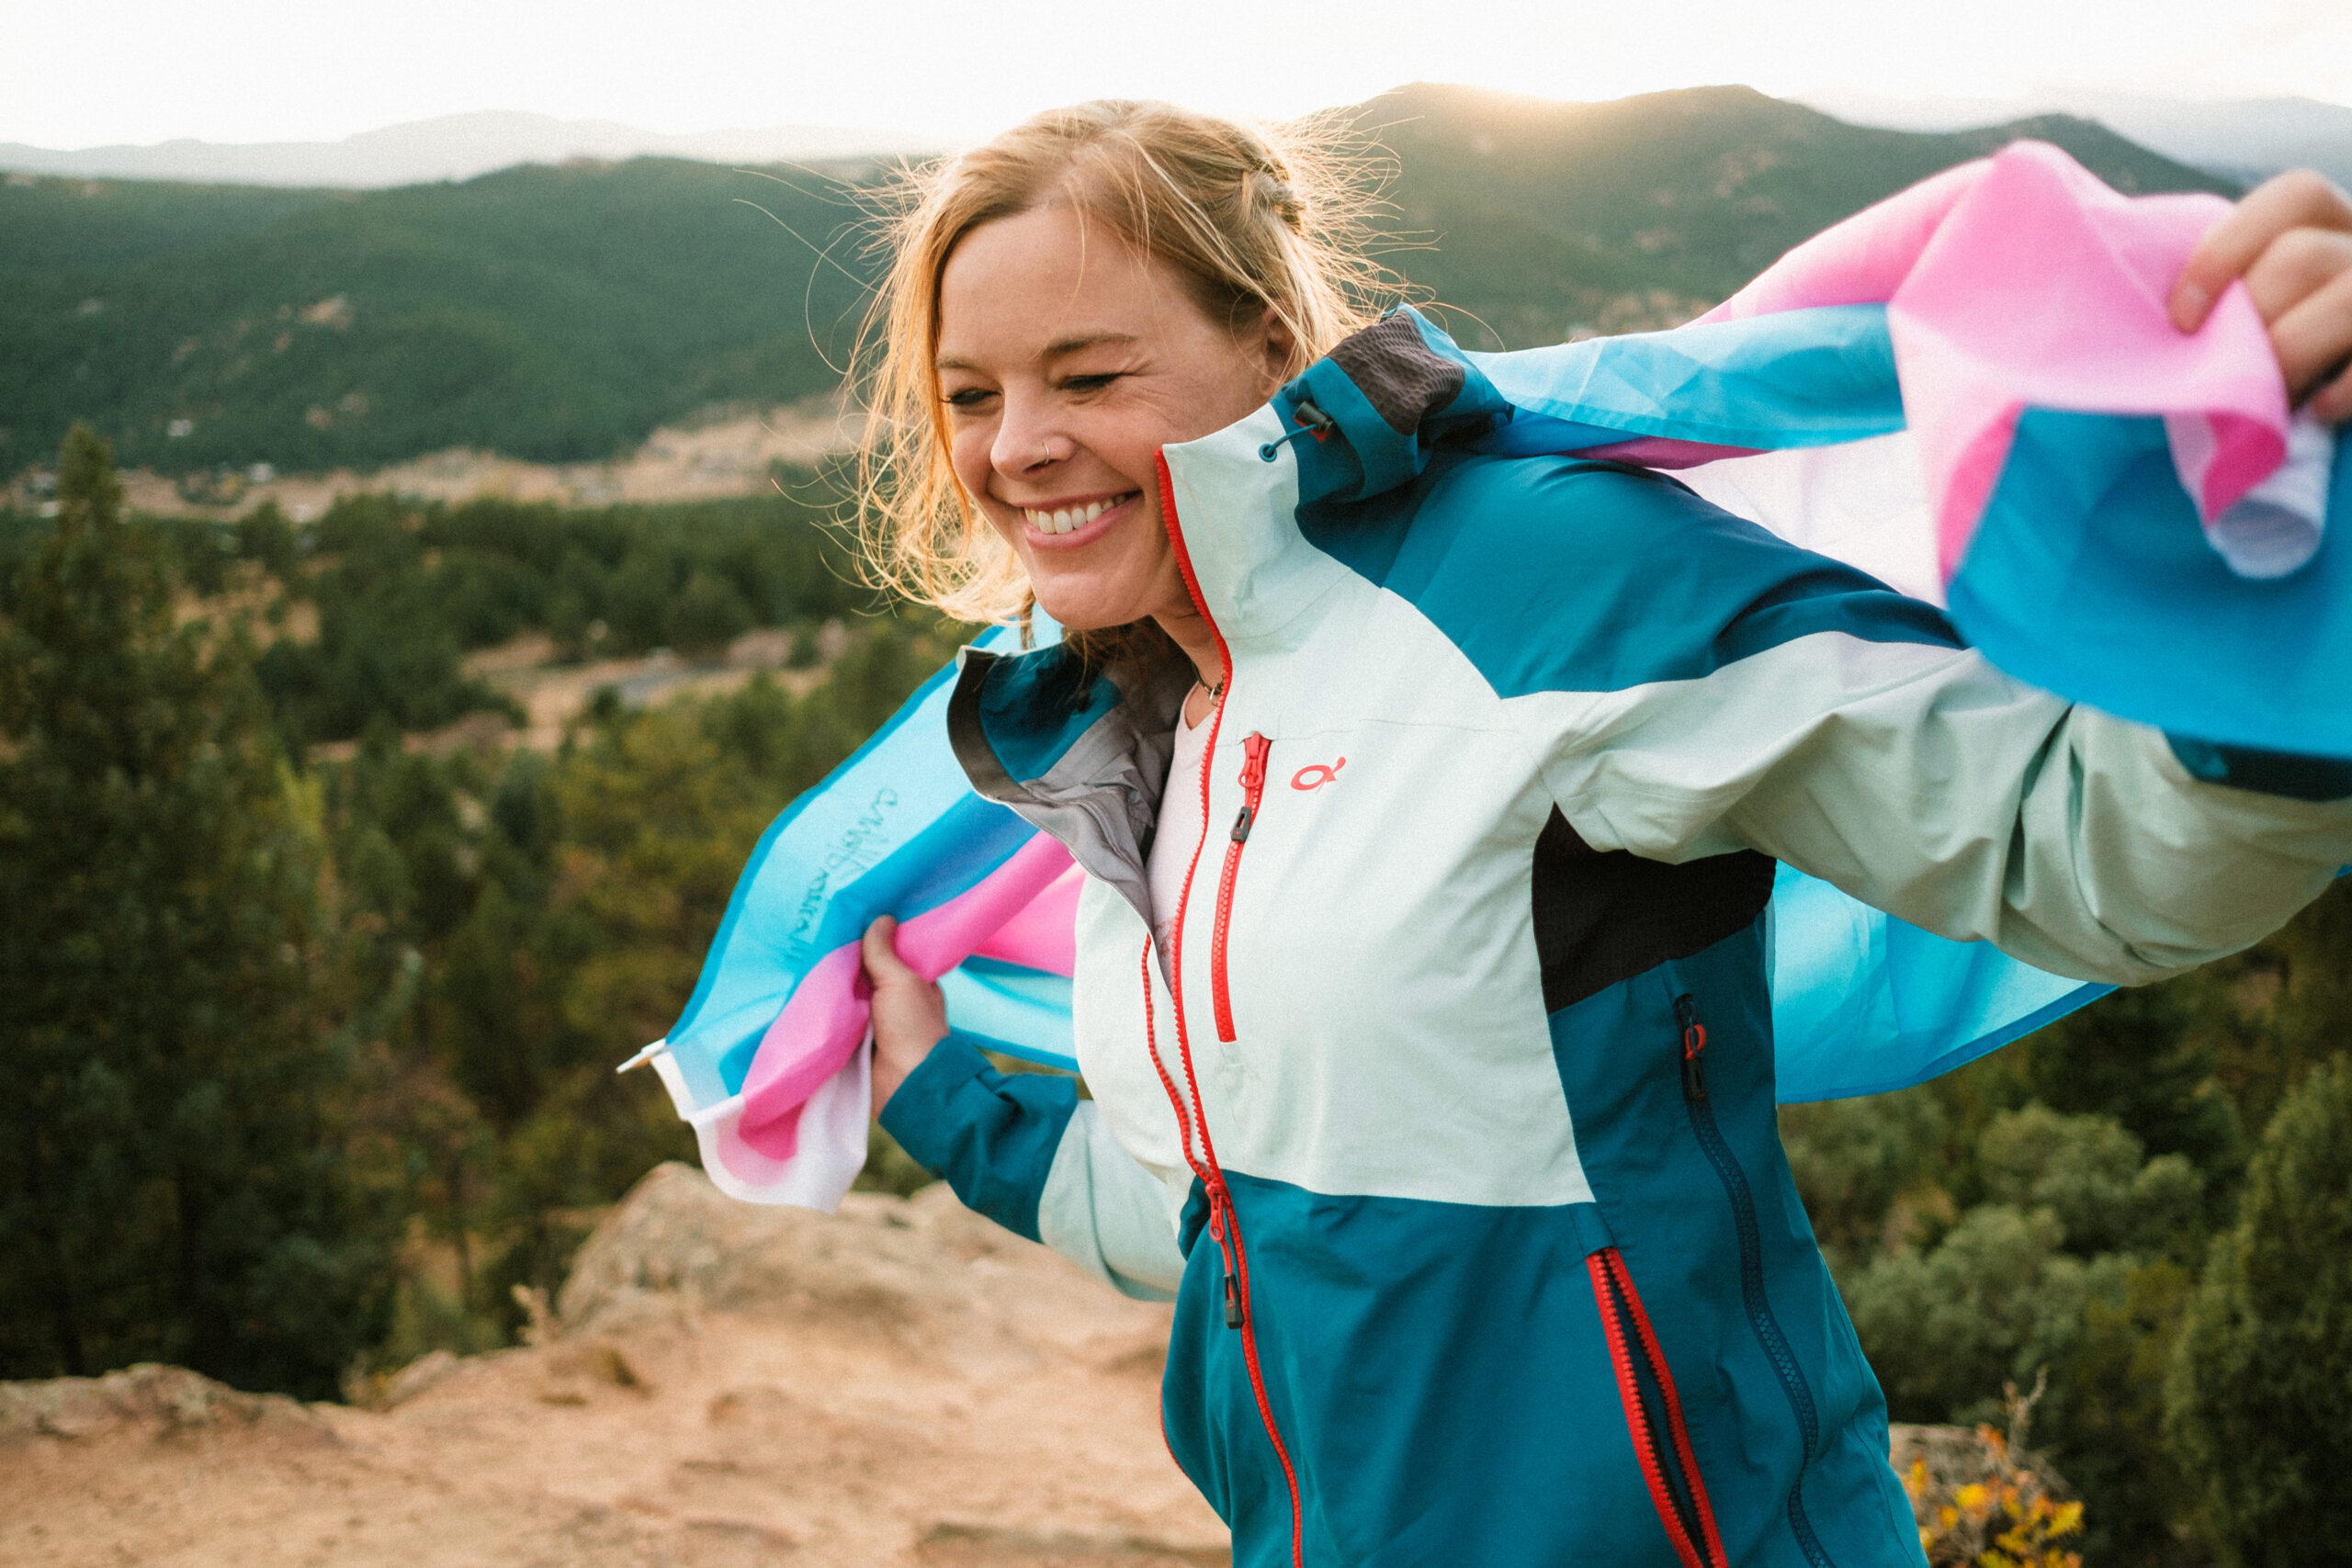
1828, 722
1025, 1151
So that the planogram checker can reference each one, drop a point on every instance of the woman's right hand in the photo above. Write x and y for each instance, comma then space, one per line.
910, 1015
2291, 239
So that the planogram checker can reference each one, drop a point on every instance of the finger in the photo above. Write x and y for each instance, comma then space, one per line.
2296, 199
879, 950
2331, 404
2298, 265
2312, 338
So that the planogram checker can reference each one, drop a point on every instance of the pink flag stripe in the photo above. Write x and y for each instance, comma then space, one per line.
825, 1020
2021, 281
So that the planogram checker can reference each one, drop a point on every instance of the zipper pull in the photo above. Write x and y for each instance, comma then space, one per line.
1227, 1246
1694, 1040
1253, 764
1253, 783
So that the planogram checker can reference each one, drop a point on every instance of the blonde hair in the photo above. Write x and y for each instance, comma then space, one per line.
1255, 220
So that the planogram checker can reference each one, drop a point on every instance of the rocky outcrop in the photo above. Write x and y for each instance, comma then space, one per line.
717, 1386
147, 1399
676, 1246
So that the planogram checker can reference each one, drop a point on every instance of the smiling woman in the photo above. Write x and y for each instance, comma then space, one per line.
1172, 269
1438, 1089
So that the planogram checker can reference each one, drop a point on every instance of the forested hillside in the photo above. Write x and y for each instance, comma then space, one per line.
309, 1061
562, 313
552, 313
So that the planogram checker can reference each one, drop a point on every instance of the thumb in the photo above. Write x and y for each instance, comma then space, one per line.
879, 950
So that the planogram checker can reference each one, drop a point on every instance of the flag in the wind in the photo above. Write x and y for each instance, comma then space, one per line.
1971, 391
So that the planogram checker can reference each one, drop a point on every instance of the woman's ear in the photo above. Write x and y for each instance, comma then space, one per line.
1277, 343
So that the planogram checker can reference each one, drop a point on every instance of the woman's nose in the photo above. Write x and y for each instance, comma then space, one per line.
1028, 439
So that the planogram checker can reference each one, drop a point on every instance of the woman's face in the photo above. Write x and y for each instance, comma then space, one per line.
1067, 360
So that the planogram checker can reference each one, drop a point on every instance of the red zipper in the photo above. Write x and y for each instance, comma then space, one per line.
1253, 788
1224, 1224
1665, 1458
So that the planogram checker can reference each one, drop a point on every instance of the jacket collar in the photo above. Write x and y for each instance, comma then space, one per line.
1359, 422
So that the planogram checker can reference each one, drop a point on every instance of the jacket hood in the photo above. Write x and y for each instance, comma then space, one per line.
1362, 421
1392, 394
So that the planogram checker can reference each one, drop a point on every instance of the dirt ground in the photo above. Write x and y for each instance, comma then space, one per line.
903, 1384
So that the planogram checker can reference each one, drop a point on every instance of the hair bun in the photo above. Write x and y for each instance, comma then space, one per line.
1269, 186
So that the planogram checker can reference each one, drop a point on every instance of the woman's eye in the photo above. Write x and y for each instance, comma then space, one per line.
967, 398
1090, 383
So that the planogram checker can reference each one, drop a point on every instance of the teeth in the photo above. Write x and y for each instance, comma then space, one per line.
1070, 518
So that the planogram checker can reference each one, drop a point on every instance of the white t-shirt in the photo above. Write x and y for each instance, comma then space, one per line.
1179, 831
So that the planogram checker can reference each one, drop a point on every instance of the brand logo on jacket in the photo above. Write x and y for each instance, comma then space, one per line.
1314, 775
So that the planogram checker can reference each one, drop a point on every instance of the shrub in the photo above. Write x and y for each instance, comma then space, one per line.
2260, 1397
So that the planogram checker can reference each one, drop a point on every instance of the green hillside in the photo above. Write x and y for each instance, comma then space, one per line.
561, 313
554, 314
53, 225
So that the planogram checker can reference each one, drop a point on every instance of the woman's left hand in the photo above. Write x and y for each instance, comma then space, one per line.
2291, 239
910, 1015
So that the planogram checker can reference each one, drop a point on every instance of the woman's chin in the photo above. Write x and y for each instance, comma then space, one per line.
1087, 612
1097, 590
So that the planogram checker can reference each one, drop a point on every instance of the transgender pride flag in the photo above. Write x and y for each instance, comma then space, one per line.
1971, 391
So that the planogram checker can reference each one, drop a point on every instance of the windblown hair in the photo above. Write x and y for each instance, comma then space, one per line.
1254, 219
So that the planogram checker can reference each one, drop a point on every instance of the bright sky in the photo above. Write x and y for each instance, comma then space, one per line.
137, 70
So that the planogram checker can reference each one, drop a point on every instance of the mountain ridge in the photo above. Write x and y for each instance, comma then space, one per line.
453, 147
2244, 140
560, 313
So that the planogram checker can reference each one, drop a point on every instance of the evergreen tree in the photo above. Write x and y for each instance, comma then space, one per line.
2260, 1398
708, 615
172, 1186
2146, 1056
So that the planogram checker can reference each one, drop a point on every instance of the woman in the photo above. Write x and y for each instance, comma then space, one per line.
1420, 981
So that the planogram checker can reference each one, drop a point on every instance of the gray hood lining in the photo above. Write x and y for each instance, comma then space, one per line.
1100, 797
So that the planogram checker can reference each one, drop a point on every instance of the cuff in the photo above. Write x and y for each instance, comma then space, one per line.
991, 1134
2288, 775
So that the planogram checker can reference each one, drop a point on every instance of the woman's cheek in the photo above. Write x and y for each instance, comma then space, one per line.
967, 455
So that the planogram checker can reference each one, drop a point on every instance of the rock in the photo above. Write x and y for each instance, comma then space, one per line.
574, 1371
163, 1401
433, 1367
953, 1545
1955, 1456
902, 1385
676, 1246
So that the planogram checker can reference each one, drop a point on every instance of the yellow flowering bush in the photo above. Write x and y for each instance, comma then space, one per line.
1982, 1501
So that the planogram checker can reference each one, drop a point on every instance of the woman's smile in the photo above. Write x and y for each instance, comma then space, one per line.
1071, 523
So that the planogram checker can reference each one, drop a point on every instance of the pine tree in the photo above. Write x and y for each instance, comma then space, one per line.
171, 1183
2260, 1399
